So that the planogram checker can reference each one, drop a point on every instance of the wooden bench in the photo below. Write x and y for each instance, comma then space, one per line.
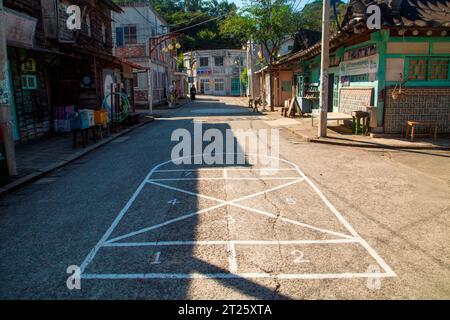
331, 116
412, 124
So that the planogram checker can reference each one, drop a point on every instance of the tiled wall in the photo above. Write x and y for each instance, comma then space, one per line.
355, 99
417, 104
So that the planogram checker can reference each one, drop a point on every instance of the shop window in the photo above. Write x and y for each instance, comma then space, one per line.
424, 68
219, 85
204, 61
218, 61
235, 85
29, 82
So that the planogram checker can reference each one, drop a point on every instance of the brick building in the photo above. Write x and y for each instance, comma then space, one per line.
402, 69
51, 66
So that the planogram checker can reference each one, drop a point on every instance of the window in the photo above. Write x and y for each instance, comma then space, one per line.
439, 69
218, 61
235, 85
417, 69
204, 61
126, 35
29, 82
204, 83
219, 85
359, 78
290, 48
130, 35
425, 68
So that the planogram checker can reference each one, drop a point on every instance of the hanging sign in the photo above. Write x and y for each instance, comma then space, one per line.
360, 66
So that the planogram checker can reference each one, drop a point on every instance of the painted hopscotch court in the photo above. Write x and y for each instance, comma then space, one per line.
241, 221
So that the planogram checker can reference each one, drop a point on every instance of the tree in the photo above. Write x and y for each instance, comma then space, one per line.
267, 22
310, 17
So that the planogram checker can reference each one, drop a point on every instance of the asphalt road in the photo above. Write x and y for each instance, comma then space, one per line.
329, 222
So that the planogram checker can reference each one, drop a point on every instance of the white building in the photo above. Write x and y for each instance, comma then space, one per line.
216, 72
133, 31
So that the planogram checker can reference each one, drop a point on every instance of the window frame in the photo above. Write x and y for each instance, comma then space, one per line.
26, 82
200, 62
127, 35
428, 66
219, 81
221, 64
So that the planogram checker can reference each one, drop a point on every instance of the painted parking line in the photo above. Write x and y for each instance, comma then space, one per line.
231, 248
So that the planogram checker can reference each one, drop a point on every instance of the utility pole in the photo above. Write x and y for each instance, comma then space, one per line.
5, 100
323, 106
251, 91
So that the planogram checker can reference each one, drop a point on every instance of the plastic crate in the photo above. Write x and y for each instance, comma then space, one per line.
101, 117
89, 115
79, 121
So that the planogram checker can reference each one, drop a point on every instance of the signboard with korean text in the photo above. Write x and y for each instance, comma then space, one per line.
360, 66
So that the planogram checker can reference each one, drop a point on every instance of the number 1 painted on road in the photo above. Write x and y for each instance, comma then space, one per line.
157, 258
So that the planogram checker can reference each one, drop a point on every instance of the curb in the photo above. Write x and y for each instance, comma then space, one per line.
30, 178
362, 144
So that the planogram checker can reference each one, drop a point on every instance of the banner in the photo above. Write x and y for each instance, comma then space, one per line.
359, 66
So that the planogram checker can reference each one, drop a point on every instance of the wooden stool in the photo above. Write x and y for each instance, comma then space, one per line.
357, 117
83, 133
426, 123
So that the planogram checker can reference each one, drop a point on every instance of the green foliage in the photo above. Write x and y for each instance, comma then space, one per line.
181, 14
311, 16
267, 22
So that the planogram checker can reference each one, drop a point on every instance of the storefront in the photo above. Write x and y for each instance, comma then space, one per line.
404, 73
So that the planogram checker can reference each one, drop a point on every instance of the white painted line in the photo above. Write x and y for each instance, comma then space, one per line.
225, 174
294, 276
234, 203
223, 178
222, 203
226, 242
103, 241
251, 169
168, 222
232, 261
114, 224
363, 242
305, 225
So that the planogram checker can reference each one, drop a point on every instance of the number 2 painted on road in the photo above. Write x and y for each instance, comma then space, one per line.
157, 258
299, 256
